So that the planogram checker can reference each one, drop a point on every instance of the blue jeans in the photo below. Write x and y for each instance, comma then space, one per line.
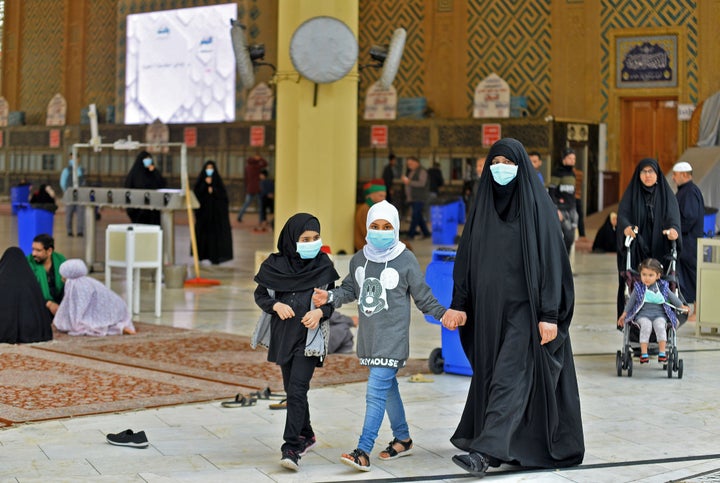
382, 395
248, 199
417, 219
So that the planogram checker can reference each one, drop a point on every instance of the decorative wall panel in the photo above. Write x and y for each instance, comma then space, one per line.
629, 14
41, 57
511, 39
100, 55
377, 22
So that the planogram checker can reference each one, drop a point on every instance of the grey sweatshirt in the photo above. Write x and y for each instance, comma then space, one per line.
383, 292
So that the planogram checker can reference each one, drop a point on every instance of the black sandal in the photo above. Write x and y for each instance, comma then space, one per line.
392, 453
353, 459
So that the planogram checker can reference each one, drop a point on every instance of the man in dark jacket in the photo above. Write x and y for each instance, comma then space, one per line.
692, 217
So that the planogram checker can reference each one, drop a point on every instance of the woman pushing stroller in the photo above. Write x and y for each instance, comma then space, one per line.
651, 306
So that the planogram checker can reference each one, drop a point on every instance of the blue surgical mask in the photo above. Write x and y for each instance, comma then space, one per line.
209, 172
308, 250
147, 162
503, 173
71, 162
381, 239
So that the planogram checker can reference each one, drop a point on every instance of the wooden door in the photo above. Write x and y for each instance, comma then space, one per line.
648, 129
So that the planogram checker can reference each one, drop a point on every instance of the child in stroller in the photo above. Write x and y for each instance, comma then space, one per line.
651, 306
630, 325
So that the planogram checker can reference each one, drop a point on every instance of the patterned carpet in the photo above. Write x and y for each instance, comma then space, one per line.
159, 366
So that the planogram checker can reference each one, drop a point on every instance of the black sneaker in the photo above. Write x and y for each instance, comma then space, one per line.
290, 460
307, 444
128, 438
474, 463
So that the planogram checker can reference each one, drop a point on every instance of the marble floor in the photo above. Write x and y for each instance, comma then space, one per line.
647, 428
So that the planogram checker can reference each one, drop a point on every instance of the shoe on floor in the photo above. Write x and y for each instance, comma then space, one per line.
128, 438
474, 463
290, 460
308, 444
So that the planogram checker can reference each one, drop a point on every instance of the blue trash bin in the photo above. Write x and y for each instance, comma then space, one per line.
709, 221
31, 223
445, 216
19, 195
439, 276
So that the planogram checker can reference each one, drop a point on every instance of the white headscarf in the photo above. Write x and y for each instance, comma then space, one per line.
384, 211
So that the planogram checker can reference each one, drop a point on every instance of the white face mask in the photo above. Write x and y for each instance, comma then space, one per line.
503, 173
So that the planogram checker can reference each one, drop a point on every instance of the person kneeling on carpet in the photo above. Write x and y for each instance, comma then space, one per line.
89, 307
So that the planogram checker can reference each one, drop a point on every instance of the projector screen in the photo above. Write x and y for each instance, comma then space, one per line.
180, 66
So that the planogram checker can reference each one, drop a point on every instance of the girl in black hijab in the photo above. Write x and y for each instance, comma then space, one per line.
286, 281
512, 276
23, 316
212, 219
649, 213
144, 175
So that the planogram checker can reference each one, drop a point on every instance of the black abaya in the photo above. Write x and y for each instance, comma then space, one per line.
511, 272
141, 177
212, 219
23, 316
652, 209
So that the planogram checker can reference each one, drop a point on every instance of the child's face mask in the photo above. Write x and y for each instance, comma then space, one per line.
653, 297
308, 250
381, 239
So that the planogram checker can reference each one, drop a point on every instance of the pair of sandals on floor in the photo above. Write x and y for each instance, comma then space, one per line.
360, 460
251, 399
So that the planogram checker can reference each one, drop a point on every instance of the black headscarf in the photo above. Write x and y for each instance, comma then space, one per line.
139, 177
217, 182
285, 271
23, 315
541, 235
652, 209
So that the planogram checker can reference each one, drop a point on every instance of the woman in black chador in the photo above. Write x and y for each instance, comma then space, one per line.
144, 175
512, 276
649, 213
212, 219
23, 316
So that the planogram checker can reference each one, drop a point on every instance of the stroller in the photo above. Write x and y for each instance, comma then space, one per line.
631, 332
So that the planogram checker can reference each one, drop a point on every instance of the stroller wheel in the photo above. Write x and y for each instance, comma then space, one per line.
436, 363
630, 364
618, 363
675, 359
670, 368
680, 369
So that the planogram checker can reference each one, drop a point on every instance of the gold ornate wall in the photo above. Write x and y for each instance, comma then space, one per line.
100, 59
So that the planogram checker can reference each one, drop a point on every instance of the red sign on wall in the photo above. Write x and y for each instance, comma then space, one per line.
379, 136
1, 139
190, 136
54, 138
257, 136
491, 133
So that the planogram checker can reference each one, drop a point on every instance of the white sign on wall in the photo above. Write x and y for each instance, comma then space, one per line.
259, 103
380, 103
492, 98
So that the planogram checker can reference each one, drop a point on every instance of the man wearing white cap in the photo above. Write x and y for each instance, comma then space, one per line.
692, 213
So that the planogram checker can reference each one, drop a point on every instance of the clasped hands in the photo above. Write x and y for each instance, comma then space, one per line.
310, 320
452, 319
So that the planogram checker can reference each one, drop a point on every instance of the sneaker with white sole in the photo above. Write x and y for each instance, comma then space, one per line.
128, 438
290, 459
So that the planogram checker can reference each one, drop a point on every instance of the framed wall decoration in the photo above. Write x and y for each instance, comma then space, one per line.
646, 61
